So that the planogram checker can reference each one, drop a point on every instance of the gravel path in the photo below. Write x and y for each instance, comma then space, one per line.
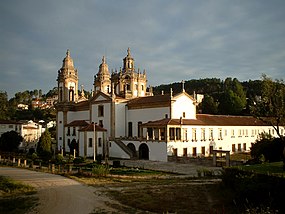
58, 194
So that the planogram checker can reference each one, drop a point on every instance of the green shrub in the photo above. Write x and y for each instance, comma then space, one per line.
269, 148
255, 188
101, 170
79, 160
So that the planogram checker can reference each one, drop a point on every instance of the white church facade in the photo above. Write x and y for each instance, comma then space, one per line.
123, 119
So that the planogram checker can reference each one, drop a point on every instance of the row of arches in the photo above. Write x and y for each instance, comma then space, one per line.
143, 151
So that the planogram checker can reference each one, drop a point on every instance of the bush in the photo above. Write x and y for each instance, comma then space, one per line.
79, 160
59, 159
269, 148
256, 189
101, 170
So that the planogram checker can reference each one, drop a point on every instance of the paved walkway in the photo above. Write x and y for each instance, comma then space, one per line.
58, 194
188, 169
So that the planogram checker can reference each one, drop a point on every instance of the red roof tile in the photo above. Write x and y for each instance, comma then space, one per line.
209, 120
77, 123
90, 127
150, 100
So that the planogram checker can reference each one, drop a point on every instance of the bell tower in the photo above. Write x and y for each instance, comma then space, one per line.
128, 62
67, 80
129, 82
102, 81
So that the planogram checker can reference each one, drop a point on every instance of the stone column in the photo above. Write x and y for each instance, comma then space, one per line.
227, 159
214, 158
25, 163
19, 162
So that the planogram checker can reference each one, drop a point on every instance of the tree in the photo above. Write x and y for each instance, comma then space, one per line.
208, 105
10, 141
36, 93
233, 100
44, 148
3, 105
271, 107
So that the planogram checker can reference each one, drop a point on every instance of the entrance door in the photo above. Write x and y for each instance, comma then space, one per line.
144, 152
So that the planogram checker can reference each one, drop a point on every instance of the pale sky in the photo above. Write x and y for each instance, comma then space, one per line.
172, 40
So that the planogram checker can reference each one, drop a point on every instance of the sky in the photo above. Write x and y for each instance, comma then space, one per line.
171, 40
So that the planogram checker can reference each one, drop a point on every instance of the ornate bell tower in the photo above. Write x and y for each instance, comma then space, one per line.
67, 80
129, 82
102, 81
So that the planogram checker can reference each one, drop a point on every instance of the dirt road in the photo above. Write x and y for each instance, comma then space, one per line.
58, 194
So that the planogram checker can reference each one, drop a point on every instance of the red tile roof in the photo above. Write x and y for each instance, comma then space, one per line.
209, 120
77, 123
90, 127
9, 122
150, 101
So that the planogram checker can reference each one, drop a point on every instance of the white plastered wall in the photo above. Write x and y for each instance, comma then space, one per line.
145, 115
183, 104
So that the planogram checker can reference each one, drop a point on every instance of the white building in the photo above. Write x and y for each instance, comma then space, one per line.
132, 123
9, 125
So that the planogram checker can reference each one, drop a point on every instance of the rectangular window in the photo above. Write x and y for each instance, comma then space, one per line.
185, 137
184, 114
130, 129
139, 128
101, 123
211, 134
99, 142
194, 151
10, 126
203, 150
171, 133
194, 135
166, 115
100, 111
233, 133
178, 134
203, 135
233, 148
246, 132
184, 152
244, 147
239, 133
68, 131
226, 132
90, 142
211, 150
239, 147
220, 134
74, 132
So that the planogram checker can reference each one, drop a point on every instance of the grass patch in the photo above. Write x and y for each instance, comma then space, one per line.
173, 196
15, 197
133, 193
265, 168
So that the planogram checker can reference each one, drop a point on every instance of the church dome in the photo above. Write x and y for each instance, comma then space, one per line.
103, 67
67, 61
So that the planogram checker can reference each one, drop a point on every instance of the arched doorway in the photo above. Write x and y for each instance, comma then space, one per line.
132, 147
144, 152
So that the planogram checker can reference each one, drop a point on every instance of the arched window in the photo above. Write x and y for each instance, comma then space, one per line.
71, 94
